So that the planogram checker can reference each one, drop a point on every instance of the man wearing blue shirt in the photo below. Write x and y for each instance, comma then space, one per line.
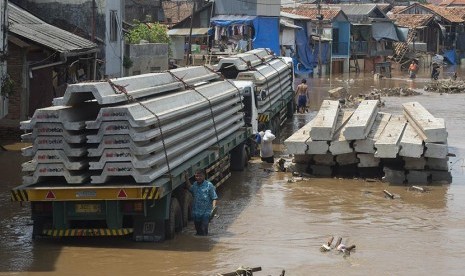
205, 198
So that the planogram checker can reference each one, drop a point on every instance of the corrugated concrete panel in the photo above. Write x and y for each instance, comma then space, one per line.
387, 146
55, 156
243, 61
148, 175
368, 145
45, 171
169, 107
325, 121
361, 121
139, 86
72, 118
431, 129
55, 142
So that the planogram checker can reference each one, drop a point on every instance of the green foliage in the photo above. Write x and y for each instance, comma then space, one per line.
127, 62
7, 86
151, 32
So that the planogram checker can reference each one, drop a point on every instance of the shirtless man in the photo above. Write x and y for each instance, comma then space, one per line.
302, 94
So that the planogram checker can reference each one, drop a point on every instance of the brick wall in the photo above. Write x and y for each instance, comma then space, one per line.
9, 126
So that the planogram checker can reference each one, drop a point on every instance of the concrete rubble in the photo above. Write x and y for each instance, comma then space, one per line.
409, 148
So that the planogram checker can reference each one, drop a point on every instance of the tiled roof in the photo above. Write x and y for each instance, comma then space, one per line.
411, 20
452, 3
448, 13
396, 9
453, 15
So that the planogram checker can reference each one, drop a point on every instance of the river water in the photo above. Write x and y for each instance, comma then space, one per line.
266, 221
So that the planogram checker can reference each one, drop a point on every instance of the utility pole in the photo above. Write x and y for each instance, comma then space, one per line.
189, 50
94, 19
319, 17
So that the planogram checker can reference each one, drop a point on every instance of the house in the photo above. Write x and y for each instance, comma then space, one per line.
41, 61
424, 29
334, 41
217, 29
373, 34
99, 21
244, 25
196, 31
450, 37
287, 33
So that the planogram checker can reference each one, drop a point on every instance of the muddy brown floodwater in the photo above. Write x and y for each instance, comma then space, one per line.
266, 221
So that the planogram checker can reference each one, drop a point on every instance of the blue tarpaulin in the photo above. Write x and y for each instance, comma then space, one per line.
266, 33
450, 56
304, 57
266, 29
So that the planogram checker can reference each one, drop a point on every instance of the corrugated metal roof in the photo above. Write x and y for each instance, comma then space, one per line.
286, 24
293, 16
358, 9
26, 25
186, 31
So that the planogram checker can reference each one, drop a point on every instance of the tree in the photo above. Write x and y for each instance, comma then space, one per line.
151, 32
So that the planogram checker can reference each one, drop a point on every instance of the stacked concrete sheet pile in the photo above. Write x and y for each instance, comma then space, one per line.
244, 61
146, 85
174, 127
59, 148
406, 148
139, 127
272, 78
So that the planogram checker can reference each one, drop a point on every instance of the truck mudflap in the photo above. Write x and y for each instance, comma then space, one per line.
63, 193
98, 232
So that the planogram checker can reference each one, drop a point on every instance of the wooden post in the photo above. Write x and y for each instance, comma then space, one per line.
391, 196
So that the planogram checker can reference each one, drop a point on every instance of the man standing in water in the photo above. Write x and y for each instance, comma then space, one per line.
302, 94
204, 203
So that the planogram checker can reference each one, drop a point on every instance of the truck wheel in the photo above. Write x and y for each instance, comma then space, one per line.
186, 208
239, 158
174, 223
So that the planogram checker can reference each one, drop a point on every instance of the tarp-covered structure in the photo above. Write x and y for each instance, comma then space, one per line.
265, 29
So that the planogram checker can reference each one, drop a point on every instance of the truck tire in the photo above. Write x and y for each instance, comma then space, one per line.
186, 207
174, 223
239, 158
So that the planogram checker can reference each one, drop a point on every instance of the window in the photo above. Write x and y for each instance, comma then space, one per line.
113, 25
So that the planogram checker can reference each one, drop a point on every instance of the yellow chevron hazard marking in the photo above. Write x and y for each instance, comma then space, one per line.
151, 193
87, 232
263, 118
19, 195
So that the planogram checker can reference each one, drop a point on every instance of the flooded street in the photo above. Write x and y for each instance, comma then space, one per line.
266, 221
